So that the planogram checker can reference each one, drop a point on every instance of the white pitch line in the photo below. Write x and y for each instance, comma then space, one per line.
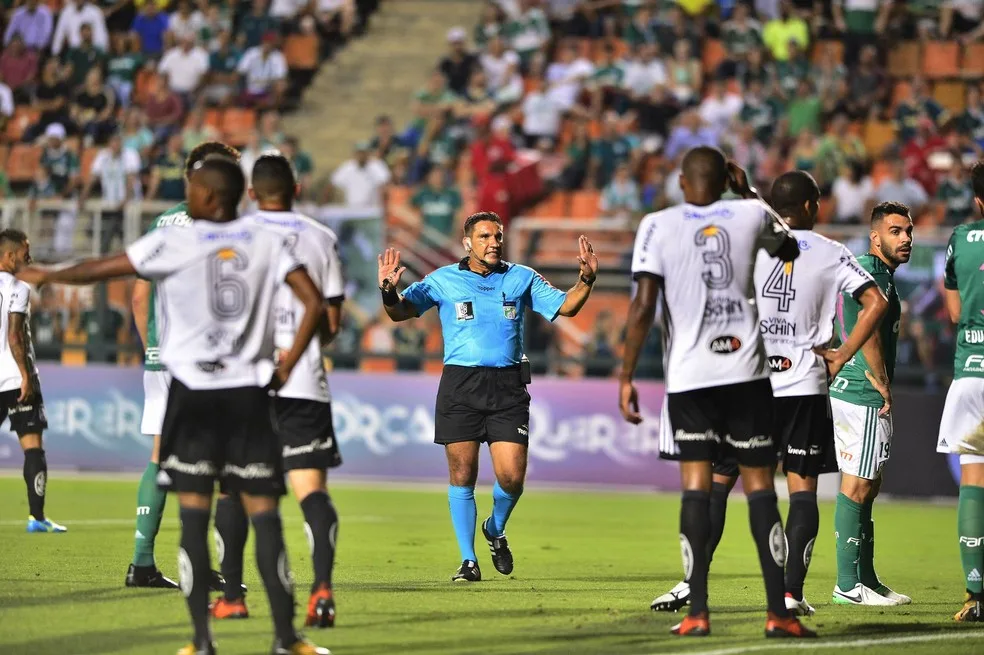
349, 519
826, 645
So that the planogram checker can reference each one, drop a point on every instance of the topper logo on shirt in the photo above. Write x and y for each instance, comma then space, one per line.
483, 288
464, 311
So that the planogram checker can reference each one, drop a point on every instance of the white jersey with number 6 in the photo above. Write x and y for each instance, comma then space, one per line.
215, 292
705, 256
797, 302
316, 247
15, 298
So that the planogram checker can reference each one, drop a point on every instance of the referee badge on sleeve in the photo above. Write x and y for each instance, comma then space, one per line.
509, 310
464, 311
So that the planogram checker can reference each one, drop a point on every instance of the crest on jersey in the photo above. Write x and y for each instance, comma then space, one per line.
509, 310
464, 311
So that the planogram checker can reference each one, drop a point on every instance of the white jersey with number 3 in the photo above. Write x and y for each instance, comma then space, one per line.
316, 247
797, 302
215, 293
15, 298
705, 256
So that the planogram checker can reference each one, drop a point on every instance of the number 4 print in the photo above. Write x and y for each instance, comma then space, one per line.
779, 285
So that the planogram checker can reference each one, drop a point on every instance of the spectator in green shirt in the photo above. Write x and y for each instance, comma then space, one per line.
300, 160
760, 112
640, 29
58, 174
957, 195
489, 25
437, 202
740, 35
804, 110
608, 152
837, 150
788, 27
257, 23
167, 173
123, 66
793, 71
223, 70
79, 61
529, 31
918, 104
431, 103
971, 122
859, 21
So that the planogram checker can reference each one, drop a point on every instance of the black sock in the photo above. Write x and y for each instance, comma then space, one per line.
695, 531
719, 510
271, 559
802, 526
763, 514
195, 569
36, 478
322, 525
231, 530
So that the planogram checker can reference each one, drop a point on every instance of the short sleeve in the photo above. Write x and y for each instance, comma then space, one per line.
286, 262
850, 277
645, 253
334, 278
546, 298
772, 233
421, 295
950, 268
157, 254
20, 298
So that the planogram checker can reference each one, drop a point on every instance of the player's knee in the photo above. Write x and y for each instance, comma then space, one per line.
857, 489
462, 476
511, 483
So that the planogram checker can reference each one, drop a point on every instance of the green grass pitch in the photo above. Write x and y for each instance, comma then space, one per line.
587, 566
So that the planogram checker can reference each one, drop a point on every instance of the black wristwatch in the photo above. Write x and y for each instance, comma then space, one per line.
588, 281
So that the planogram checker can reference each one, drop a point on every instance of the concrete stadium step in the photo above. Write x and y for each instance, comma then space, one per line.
375, 75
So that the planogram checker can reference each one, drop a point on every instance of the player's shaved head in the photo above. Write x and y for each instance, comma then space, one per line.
216, 186
15, 250
11, 239
203, 150
796, 197
704, 175
273, 181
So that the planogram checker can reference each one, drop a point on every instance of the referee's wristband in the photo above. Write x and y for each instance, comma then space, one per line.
390, 296
588, 280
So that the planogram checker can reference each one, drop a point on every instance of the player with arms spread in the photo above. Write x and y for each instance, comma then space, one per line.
701, 254
143, 571
216, 282
962, 425
861, 405
303, 405
20, 387
796, 303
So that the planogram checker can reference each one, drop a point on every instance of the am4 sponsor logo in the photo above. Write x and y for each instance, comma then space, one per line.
779, 364
724, 345
974, 363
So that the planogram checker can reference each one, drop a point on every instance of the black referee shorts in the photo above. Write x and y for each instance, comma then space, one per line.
482, 404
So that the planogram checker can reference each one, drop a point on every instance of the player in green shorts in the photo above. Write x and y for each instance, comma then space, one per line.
143, 571
861, 404
963, 415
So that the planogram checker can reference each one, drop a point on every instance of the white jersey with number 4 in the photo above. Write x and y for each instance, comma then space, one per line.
797, 302
705, 256
316, 247
15, 298
216, 284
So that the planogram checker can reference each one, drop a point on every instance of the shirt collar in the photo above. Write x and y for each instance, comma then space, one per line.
501, 267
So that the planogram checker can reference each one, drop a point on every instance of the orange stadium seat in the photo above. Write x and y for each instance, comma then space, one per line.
302, 51
972, 62
584, 204
23, 163
941, 59
23, 118
901, 91
237, 124
904, 59
396, 196
555, 206
714, 53
952, 95
878, 136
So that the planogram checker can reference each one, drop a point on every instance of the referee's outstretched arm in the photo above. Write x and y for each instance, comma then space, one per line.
578, 294
390, 271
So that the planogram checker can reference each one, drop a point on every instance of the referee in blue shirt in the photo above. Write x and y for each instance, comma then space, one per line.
482, 395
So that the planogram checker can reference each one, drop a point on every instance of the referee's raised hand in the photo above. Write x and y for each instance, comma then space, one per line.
586, 258
390, 270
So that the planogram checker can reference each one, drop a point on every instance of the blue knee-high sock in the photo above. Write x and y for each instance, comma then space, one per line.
503, 503
464, 512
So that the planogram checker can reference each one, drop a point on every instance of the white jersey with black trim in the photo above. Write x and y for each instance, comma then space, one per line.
316, 247
216, 285
705, 256
797, 302
15, 298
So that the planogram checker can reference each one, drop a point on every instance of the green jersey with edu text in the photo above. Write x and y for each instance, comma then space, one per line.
177, 215
963, 273
851, 385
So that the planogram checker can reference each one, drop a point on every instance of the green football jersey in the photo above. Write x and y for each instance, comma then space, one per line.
964, 273
851, 385
177, 215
